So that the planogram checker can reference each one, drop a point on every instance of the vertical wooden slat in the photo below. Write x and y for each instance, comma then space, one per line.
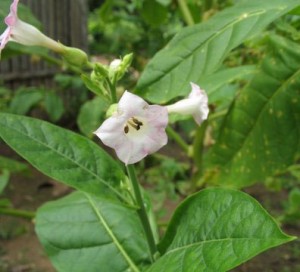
63, 20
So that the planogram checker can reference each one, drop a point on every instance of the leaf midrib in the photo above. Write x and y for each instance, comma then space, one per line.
187, 56
111, 234
250, 131
225, 239
68, 158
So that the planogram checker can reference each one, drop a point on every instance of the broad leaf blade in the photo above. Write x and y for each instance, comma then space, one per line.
62, 155
80, 233
199, 50
216, 230
216, 82
260, 135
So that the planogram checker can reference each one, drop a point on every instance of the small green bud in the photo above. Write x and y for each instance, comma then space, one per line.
127, 60
74, 56
119, 67
100, 70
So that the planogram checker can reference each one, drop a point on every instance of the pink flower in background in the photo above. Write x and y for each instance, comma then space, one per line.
196, 105
23, 33
136, 130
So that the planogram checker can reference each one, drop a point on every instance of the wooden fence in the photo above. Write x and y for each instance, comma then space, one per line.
62, 20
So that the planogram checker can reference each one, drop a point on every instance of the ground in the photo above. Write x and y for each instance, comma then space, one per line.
20, 250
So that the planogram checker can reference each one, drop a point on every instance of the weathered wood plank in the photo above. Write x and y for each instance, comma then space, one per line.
62, 20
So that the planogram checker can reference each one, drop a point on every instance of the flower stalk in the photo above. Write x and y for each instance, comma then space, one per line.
177, 138
142, 210
17, 213
186, 12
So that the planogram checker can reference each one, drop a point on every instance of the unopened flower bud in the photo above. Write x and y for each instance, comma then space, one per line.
74, 56
118, 67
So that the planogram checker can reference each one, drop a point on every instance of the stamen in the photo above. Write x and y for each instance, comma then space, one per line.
134, 123
126, 129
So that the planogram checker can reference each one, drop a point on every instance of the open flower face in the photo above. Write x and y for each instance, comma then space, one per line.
136, 130
23, 33
196, 105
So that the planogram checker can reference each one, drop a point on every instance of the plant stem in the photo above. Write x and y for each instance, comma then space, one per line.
141, 210
17, 213
186, 12
178, 139
113, 91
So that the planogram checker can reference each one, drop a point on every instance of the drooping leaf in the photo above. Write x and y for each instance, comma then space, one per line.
80, 232
216, 230
199, 50
63, 155
260, 135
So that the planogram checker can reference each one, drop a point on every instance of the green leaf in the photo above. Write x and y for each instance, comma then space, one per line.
93, 234
216, 230
164, 2
25, 99
154, 13
16, 49
214, 83
4, 178
292, 209
63, 155
199, 50
260, 135
94, 87
91, 115
54, 105
11, 165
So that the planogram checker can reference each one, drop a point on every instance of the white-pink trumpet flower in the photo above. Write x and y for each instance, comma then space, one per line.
136, 130
196, 105
24, 33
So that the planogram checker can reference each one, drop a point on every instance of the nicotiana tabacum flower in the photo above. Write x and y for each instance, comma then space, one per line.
24, 33
136, 129
196, 105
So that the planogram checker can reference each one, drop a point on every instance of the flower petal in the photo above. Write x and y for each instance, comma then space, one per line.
145, 129
131, 105
12, 17
4, 38
196, 105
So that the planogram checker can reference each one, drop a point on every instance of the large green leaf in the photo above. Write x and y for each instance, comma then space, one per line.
63, 155
199, 50
215, 83
216, 230
260, 136
85, 233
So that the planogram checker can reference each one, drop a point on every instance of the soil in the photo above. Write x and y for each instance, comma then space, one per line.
20, 250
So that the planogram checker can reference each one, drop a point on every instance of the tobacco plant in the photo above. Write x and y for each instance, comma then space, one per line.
252, 123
